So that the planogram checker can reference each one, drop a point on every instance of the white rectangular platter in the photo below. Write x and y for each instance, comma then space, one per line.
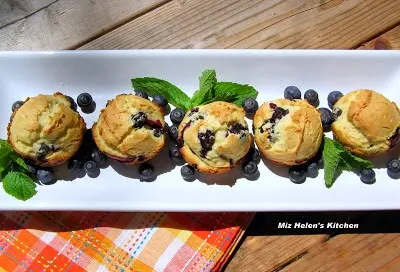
104, 74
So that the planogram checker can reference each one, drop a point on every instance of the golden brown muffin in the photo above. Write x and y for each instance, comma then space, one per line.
214, 138
45, 130
288, 131
130, 129
367, 122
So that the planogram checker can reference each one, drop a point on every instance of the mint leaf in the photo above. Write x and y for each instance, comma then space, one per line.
20, 161
5, 154
155, 86
233, 92
206, 92
337, 159
332, 158
19, 185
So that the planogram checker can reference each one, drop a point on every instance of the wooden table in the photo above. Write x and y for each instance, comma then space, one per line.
124, 24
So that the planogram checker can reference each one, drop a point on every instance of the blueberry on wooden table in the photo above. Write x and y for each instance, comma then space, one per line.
177, 116
160, 100
188, 172
250, 169
292, 92
250, 105
333, 97
173, 132
142, 94
146, 172
297, 174
45, 175
16, 105
393, 169
312, 97
367, 175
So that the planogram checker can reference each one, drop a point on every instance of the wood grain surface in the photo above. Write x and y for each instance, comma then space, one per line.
119, 24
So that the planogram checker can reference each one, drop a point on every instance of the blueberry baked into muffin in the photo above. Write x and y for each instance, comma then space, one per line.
214, 138
45, 130
131, 129
367, 123
288, 132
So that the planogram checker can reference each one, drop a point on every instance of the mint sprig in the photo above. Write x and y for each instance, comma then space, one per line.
337, 159
14, 173
210, 90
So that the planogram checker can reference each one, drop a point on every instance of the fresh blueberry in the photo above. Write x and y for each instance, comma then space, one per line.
312, 97
90, 167
84, 100
45, 175
297, 174
312, 170
142, 94
321, 162
173, 132
250, 105
17, 105
367, 175
250, 169
177, 116
292, 92
72, 102
75, 165
160, 100
333, 97
175, 154
146, 171
393, 169
99, 157
326, 117
188, 172
253, 155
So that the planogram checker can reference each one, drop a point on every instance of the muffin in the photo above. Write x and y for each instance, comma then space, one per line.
288, 132
45, 130
130, 129
367, 123
214, 138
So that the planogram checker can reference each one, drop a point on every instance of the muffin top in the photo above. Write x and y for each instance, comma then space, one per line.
214, 137
45, 130
130, 129
288, 131
366, 122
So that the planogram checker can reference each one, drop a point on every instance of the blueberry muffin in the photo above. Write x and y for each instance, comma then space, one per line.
367, 123
131, 129
214, 138
288, 132
46, 130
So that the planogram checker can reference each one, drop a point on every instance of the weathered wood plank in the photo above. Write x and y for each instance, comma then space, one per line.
267, 253
350, 252
388, 40
68, 23
13, 10
255, 24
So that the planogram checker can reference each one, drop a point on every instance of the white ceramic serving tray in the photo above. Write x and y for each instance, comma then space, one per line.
105, 74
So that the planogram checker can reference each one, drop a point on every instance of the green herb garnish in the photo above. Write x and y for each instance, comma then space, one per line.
210, 90
337, 159
14, 173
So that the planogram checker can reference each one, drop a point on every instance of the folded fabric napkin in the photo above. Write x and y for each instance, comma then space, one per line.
103, 241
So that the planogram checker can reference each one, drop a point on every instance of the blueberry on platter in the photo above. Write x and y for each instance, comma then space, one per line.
312, 97
292, 92
393, 169
250, 169
173, 132
297, 174
326, 117
45, 175
86, 103
146, 172
333, 97
160, 100
177, 116
367, 175
188, 172
16, 105
90, 167
175, 154
250, 105
142, 94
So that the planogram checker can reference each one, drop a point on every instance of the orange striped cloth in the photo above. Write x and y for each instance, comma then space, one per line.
103, 241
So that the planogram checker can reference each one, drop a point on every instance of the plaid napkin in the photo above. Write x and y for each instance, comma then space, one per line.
102, 241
